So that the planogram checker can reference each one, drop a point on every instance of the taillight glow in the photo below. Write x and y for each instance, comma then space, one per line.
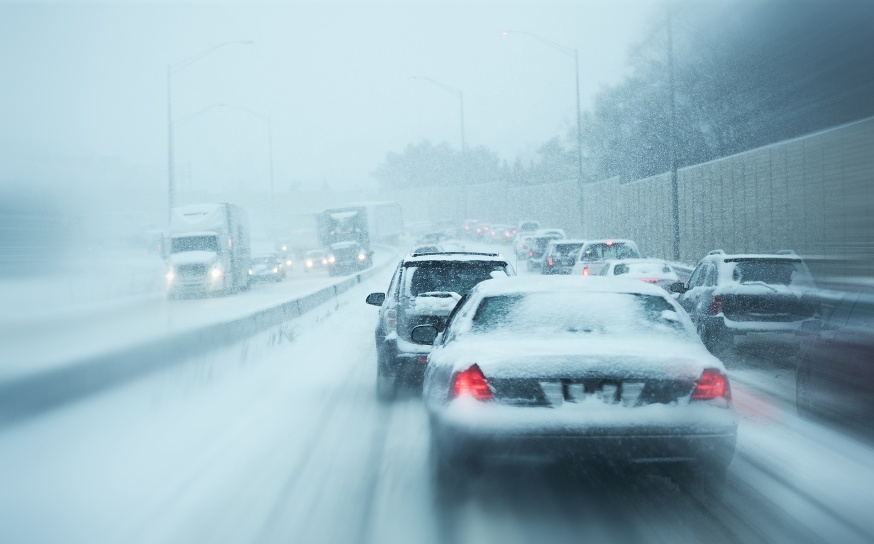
550, 262
470, 382
530, 253
650, 280
716, 305
585, 271
712, 385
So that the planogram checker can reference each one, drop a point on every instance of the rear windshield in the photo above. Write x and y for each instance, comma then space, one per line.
449, 276
529, 225
603, 252
562, 313
774, 272
193, 243
565, 250
540, 243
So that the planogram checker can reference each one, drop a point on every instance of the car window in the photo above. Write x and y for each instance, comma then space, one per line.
771, 272
605, 251
712, 275
447, 276
393, 284
698, 275
565, 313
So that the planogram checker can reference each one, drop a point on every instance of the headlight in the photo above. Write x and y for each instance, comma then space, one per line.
309, 263
361, 256
288, 262
275, 269
250, 272
215, 273
331, 259
170, 275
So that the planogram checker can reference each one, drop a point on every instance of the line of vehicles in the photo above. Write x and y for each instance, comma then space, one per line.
208, 248
607, 355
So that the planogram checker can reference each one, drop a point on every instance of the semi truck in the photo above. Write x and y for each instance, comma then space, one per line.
348, 232
207, 250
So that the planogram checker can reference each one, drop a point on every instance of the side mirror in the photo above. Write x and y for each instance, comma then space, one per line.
424, 334
375, 299
677, 287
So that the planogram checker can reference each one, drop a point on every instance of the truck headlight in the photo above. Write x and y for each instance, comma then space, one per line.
361, 256
309, 263
331, 259
215, 272
170, 275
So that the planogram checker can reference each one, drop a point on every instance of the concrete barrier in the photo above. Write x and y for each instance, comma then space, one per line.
28, 396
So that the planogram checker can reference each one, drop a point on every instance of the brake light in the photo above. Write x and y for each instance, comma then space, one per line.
716, 305
549, 261
470, 382
467, 227
585, 271
650, 280
712, 385
530, 253
391, 320
609, 243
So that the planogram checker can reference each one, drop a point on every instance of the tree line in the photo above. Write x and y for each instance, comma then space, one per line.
745, 74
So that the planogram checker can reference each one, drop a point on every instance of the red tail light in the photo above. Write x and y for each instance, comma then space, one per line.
712, 385
716, 305
549, 261
467, 227
585, 271
530, 253
650, 280
470, 382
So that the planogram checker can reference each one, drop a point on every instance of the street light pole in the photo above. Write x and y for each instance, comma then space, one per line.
452, 91
574, 54
172, 69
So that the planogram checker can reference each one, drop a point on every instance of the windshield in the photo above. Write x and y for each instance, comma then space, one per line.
775, 272
193, 243
563, 313
452, 277
605, 251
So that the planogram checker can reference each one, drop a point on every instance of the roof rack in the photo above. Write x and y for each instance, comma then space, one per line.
717, 252
786, 252
480, 253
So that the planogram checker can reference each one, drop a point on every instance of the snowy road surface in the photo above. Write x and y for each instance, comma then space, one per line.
281, 439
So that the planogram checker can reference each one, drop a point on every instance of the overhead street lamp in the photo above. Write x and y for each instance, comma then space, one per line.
171, 70
574, 54
452, 91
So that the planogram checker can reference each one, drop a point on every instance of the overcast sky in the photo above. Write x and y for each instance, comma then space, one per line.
83, 95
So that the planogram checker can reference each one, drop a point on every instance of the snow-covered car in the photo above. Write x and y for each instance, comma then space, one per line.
528, 226
521, 244
537, 247
268, 267
348, 257
560, 256
572, 368
315, 259
423, 290
594, 255
764, 297
654, 271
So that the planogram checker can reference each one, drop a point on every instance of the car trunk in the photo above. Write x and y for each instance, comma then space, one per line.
775, 307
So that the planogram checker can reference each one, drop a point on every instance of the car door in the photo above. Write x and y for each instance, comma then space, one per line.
691, 299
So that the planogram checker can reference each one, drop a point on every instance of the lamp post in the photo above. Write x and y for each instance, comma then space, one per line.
574, 54
171, 70
452, 91
266, 120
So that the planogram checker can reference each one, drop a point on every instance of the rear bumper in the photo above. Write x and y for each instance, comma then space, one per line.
697, 436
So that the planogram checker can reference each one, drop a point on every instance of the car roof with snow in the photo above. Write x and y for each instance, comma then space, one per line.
720, 255
344, 245
592, 284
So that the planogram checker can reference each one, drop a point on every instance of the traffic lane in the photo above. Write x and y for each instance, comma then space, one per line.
281, 439
274, 439
48, 342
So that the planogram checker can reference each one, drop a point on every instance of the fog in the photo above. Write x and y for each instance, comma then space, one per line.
158, 384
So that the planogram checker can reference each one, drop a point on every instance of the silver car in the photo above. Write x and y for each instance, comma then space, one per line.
574, 368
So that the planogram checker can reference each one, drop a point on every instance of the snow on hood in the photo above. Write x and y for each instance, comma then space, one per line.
504, 355
192, 257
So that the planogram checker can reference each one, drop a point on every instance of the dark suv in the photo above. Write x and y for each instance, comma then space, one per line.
766, 296
423, 291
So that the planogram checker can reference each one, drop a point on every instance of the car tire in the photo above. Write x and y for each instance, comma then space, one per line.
386, 387
717, 342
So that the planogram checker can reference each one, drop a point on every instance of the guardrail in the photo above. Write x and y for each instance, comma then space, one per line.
28, 396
